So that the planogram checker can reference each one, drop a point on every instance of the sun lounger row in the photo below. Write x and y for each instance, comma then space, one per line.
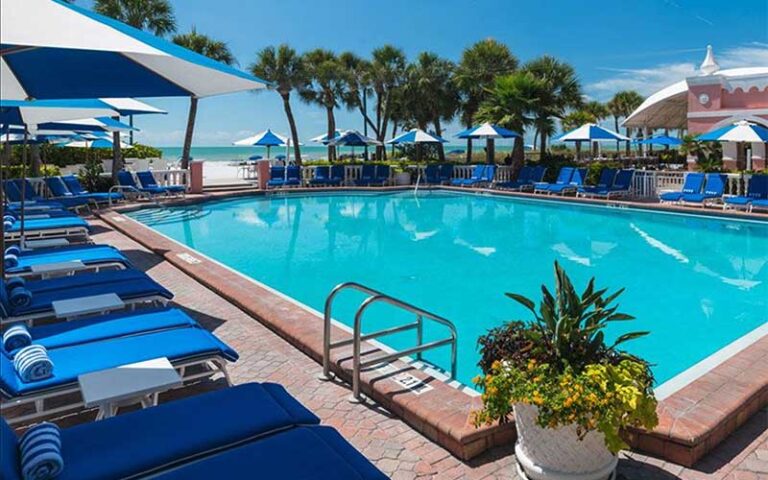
146, 187
756, 197
438, 174
251, 429
335, 175
482, 175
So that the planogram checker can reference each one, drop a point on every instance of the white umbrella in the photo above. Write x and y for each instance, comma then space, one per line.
739, 132
589, 132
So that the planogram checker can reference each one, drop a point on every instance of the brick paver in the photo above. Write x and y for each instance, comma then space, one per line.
392, 445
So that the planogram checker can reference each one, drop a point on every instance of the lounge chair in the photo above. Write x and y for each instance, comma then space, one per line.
382, 175
605, 181
148, 182
337, 174
478, 175
60, 192
446, 173
757, 190
221, 434
322, 176
692, 184
93, 257
38, 228
74, 186
760, 204
563, 178
523, 178
620, 186
134, 289
559, 188
127, 186
432, 175
184, 347
276, 177
292, 176
32, 201
714, 190
367, 175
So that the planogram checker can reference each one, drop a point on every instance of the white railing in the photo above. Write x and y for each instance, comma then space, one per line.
167, 178
649, 184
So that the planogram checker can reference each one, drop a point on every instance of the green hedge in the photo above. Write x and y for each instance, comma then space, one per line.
63, 156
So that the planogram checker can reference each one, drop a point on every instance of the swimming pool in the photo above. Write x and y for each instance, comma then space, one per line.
697, 283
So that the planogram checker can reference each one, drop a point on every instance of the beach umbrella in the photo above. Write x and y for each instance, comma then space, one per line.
489, 132
91, 141
99, 124
53, 49
324, 137
664, 140
267, 139
589, 132
740, 132
353, 138
416, 137
255, 157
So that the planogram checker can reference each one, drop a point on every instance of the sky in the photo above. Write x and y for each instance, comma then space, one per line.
613, 45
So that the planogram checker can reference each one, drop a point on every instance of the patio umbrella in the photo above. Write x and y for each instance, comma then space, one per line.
739, 132
324, 137
589, 132
664, 140
90, 141
73, 52
267, 139
416, 137
489, 132
99, 124
353, 138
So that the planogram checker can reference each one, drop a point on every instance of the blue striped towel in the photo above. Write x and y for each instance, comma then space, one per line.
9, 218
32, 363
20, 297
40, 449
14, 282
13, 250
16, 337
7, 224
10, 260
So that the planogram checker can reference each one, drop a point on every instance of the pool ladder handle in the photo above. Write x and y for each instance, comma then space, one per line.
358, 337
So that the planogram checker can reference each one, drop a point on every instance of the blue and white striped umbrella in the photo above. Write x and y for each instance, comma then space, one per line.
487, 130
35, 112
52, 49
91, 141
742, 131
664, 140
416, 136
99, 124
324, 137
590, 132
353, 138
267, 138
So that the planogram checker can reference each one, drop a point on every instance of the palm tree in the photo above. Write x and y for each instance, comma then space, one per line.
621, 106
356, 77
511, 103
155, 16
324, 86
563, 92
476, 72
213, 49
388, 67
284, 68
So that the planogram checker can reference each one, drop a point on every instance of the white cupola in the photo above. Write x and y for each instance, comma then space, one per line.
709, 65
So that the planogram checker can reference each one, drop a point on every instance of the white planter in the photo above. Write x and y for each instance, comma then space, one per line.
403, 178
557, 453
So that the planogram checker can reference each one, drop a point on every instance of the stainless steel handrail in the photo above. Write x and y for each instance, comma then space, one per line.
358, 337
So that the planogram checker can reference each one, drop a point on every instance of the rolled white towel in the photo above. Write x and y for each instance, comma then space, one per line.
40, 450
33, 364
16, 337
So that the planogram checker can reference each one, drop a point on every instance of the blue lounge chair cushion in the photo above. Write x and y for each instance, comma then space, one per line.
760, 203
148, 182
563, 178
171, 433
671, 196
715, 188
116, 325
74, 186
61, 284
49, 224
10, 460
57, 186
86, 254
305, 452
176, 344
42, 301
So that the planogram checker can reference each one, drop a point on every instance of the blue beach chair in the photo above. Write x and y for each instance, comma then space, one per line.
713, 190
382, 175
692, 184
60, 192
93, 257
757, 191
563, 178
337, 175
322, 176
292, 176
127, 185
431, 175
74, 186
276, 177
607, 176
13, 191
621, 186
184, 347
367, 175
148, 182
478, 174
52, 227
446, 173
523, 178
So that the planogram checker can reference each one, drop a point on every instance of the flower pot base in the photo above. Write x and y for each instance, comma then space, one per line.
528, 470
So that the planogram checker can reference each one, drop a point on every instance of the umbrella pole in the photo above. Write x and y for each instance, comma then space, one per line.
2, 204
23, 182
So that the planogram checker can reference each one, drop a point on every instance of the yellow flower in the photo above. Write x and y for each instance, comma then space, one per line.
477, 380
496, 365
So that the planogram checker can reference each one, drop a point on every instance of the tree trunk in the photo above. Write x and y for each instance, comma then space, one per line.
518, 154
490, 151
185, 157
542, 145
394, 133
117, 155
628, 133
35, 152
578, 151
469, 150
440, 149
331, 133
292, 124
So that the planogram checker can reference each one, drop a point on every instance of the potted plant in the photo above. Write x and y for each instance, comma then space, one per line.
570, 389
401, 175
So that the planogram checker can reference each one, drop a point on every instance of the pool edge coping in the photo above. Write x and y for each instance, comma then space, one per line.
682, 436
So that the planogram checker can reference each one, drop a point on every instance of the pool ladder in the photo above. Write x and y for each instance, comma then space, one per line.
358, 337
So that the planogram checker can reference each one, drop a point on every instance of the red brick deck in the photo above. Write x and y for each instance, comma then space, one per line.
391, 444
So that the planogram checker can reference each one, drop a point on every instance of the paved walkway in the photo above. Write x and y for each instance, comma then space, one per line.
392, 445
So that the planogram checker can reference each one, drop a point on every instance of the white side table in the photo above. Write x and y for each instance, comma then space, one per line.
46, 243
48, 270
134, 383
76, 307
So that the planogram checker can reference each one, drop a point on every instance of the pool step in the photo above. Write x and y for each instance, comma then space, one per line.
229, 187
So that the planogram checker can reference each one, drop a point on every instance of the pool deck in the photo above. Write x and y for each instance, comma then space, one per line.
394, 446
693, 420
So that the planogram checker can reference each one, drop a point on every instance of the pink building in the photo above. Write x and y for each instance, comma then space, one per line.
712, 99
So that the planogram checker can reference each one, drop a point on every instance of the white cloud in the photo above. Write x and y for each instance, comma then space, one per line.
649, 80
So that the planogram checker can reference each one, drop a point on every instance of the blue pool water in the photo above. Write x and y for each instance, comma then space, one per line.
696, 283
